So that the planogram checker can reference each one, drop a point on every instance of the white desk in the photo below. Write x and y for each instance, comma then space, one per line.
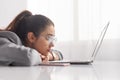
97, 71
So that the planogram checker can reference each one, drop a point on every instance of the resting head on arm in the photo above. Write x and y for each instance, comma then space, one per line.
37, 32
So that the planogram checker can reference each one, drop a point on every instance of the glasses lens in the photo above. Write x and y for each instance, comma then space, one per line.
52, 39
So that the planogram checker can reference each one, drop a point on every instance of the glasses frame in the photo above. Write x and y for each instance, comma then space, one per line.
50, 38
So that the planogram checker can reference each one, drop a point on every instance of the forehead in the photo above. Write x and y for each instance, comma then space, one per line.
49, 31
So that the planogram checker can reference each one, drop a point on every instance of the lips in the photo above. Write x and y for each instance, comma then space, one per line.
48, 50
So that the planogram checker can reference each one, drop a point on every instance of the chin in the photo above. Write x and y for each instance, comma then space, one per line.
46, 53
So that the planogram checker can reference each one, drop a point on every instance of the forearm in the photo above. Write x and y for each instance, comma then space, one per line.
19, 55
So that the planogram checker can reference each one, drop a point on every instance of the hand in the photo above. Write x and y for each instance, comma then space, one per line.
44, 58
53, 56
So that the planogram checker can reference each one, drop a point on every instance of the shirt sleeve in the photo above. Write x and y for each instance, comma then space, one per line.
18, 55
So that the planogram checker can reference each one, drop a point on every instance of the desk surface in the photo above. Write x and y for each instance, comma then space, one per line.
99, 70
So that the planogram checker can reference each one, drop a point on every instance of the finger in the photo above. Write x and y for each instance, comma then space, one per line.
43, 57
46, 59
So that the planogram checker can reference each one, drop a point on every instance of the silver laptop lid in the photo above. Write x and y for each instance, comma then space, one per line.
99, 41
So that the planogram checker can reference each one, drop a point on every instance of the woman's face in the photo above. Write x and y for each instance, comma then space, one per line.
44, 42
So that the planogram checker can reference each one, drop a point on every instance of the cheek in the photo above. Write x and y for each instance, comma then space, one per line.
41, 46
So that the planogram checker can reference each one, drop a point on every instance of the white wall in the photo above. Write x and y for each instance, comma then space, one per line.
109, 50
9, 9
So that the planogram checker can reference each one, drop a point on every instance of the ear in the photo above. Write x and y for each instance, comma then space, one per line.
31, 37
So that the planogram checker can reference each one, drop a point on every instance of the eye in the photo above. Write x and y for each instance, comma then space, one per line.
47, 37
50, 38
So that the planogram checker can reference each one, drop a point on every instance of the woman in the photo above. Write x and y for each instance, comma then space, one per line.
28, 40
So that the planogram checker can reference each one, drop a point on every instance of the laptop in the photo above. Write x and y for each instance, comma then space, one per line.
93, 55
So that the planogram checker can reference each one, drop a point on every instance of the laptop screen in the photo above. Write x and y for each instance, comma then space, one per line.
99, 41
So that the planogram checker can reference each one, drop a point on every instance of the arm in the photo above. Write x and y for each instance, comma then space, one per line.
14, 54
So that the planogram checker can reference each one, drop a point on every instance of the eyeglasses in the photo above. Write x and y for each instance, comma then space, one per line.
50, 39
